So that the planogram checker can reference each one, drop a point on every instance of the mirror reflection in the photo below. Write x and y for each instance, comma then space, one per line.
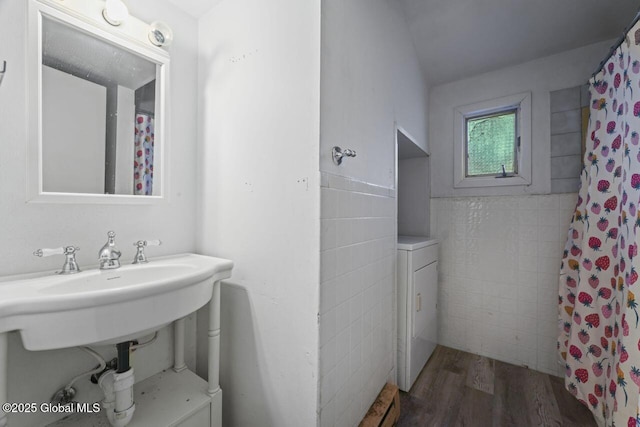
98, 115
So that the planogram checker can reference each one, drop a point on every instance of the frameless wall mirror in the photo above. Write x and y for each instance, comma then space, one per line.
97, 107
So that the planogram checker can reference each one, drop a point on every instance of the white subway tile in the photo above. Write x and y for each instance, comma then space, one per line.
358, 238
548, 201
327, 234
528, 309
551, 249
344, 232
328, 292
344, 260
343, 417
328, 263
327, 358
356, 308
328, 203
328, 414
550, 217
324, 180
548, 328
342, 345
339, 182
549, 281
527, 233
342, 317
528, 263
342, 289
355, 359
344, 205
528, 203
528, 217
327, 326
549, 265
327, 389
367, 326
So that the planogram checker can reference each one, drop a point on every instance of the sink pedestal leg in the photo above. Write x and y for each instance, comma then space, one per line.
178, 346
4, 365
214, 390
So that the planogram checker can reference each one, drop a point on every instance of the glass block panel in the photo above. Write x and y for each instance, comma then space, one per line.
491, 143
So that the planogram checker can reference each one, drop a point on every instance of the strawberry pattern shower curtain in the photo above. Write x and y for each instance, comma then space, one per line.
599, 323
143, 155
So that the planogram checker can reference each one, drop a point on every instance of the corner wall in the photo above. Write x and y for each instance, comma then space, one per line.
370, 81
24, 227
501, 247
498, 275
259, 203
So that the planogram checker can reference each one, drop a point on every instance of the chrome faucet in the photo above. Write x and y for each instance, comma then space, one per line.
141, 258
109, 255
70, 265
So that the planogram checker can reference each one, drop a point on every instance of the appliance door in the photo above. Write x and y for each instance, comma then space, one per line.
425, 316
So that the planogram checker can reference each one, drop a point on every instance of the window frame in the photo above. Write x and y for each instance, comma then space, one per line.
522, 176
515, 143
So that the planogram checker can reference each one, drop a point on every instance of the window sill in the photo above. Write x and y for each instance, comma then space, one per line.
491, 181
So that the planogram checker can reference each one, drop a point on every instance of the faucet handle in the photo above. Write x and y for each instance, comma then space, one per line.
70, 265
140, 255
64, 250
143, 243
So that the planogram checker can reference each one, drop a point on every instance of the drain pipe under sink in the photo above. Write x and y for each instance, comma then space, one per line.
118, 389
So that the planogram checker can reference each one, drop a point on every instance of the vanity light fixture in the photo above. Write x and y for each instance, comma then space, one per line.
115, 12
160, 34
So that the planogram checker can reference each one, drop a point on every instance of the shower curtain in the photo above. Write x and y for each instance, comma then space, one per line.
598, 311
143, 155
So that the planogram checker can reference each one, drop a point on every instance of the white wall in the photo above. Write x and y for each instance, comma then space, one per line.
259, 76
414, 192
541, 76
73, 143
370, 78
370, 81
125, 136
27, 226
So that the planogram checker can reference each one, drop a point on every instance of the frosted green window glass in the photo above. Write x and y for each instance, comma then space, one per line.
491, 143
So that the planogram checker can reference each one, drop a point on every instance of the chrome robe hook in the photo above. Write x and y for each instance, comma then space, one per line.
338, 153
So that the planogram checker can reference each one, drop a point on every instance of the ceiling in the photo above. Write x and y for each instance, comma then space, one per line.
456, 39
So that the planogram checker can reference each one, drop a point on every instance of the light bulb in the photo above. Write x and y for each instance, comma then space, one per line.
115, 11
160, 34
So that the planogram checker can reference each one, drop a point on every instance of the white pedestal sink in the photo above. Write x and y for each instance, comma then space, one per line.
109, 306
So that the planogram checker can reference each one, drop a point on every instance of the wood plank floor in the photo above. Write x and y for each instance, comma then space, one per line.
462, 389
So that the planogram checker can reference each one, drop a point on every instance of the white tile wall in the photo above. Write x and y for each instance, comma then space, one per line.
358, 243
499, 267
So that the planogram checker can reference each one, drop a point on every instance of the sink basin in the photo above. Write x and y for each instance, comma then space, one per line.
98, 306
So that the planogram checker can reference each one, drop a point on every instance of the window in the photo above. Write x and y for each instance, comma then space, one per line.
493, 143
